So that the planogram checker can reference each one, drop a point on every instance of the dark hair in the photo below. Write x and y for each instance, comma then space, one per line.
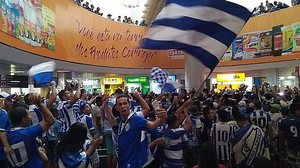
268, 96
295, 105
83, 106
152, 115
118, 91
208, 156
26, 99
238, 116
120, 96
171, 121
285, 110
82, 91
17, 114
74, 139
61, 94
258, 104
194, 109
20, 104
206, 111
98, 101
223, 115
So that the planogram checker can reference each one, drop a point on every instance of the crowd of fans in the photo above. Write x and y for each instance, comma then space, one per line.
271, 7
233, 128
125, 19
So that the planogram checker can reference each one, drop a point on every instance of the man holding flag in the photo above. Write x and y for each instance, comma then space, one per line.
202, 28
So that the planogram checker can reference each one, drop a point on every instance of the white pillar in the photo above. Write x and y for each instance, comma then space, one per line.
61, 81
194, 73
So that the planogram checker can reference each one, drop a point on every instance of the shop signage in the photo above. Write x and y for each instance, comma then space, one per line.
13, 81
137, 79
113, 81
231, 77
170, 78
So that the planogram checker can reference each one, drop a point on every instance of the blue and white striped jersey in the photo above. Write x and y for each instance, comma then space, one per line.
222, 134
261, 119
88, 122
76, 109
66, 115
173, 154
35, 114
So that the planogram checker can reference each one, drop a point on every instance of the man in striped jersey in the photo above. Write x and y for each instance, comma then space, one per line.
66, 114
248, 142
289, 134
76, 107
262, 119
173, 138
222, 134
87, 120
34, 111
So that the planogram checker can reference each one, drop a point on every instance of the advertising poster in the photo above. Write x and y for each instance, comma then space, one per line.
287, 39
24, 20
266, 43
48, 32
277, 40
296, 40
251, 44
237, 49
227, 56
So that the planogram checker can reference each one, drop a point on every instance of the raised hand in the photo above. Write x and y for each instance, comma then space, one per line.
105, 98
161, 114
36, 99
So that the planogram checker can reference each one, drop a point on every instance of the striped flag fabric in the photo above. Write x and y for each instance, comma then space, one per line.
159, 75
171, 86
42, 73
202, 28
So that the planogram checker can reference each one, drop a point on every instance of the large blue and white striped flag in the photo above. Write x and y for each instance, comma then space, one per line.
42, 73
202, 28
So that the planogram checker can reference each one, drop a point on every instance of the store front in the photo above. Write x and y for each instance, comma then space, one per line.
233, 80
92, 85
111, 84
132, 82
288, 77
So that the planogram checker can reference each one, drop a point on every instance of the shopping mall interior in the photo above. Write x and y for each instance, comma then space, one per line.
92, 48
98, 45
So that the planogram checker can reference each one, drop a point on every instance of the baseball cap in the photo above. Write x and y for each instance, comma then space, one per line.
276, 106
6, 95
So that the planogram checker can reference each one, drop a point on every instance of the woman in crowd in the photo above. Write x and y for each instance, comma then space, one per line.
70, 149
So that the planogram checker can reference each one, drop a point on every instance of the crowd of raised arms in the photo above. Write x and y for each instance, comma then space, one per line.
70, 128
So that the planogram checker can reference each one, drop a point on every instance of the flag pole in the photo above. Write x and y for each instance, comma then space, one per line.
199, 90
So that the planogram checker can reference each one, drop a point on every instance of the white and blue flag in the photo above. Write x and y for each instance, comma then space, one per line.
42, 73
159, 75
171, 86
202, 28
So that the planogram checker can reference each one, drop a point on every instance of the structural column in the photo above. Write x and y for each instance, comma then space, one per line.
61, 80
194, 73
